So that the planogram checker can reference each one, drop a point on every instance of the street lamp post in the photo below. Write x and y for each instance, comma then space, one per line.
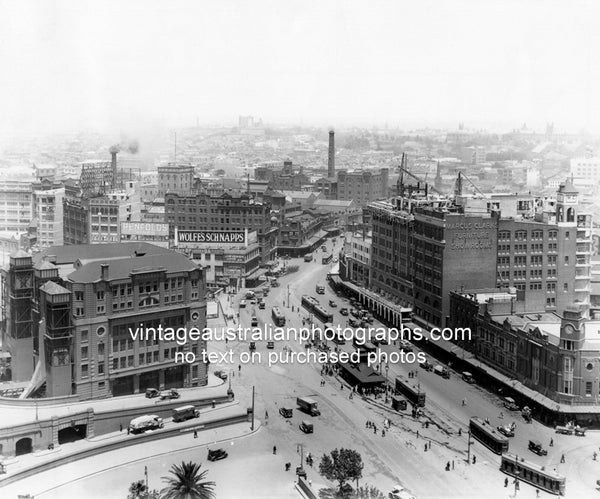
469, 447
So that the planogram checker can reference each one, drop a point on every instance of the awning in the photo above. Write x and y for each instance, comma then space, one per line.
362, 374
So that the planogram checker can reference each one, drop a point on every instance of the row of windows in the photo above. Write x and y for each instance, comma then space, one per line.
521, 235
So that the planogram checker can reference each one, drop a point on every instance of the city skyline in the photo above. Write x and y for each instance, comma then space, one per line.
143, 66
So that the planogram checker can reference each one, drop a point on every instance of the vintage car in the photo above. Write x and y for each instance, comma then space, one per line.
428, 366
536, 448
510, 404
306, 427
506, 430
152, 393
216, 455
169, 394
285, 412
344, 311
252, 345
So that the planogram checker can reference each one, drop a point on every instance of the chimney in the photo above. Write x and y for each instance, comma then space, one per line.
104, 271
331, 155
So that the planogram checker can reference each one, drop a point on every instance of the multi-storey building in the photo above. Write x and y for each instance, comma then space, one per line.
423, 249
357, 251
548, 359
16, 205
48, 212
362, 186
88, 318
236, 212
175, 179
281, 178
97, 177
586, 170
300, 234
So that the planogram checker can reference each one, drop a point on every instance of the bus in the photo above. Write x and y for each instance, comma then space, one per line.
320, 289
534, 474
413, 393
312, 305
184, 413
488, 436
326, 259
278, 317
308, 257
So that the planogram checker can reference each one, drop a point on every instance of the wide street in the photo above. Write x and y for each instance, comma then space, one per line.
398, 458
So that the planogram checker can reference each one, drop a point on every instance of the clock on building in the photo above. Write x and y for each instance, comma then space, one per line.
569, 329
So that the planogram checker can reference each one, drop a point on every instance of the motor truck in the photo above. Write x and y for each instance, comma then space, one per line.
145, 423
308, 405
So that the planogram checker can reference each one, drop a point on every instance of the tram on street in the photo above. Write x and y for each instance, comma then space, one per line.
488, 436
278, 317
313, 306
534, 474
413, 394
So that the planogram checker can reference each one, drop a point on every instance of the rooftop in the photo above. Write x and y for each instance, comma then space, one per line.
63, 255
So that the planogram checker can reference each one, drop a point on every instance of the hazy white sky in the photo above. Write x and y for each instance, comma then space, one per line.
123, 64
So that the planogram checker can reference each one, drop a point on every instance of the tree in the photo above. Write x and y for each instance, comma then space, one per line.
187, 483
341, 465
138, 490
368, 492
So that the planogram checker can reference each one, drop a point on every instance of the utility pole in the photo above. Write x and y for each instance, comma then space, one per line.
288, 296
146, 475
252, 426
469, 447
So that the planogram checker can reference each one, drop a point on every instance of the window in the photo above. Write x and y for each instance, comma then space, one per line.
123, 362
79, 295
84, 335
589, 366
100, 348
84, 371
101, 385
84, 353
115, 364
588, 388
101, 368
100, 309
567, 235
551, 302
566, 286
566, 260
100, 295
100, 331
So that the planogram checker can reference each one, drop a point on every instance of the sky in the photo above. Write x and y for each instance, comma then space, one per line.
127, 65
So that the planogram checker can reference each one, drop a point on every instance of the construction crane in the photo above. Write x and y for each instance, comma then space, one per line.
420, 180
458, 186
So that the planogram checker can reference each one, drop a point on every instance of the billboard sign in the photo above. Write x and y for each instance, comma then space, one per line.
144, 229
211, 236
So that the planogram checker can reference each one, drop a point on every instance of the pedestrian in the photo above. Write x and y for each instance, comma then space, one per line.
430, 445
460, 432
464, 402
417, 433
341, 386
128, 430
195, 434
562, 458
266, 414
453, 464
505, 482
551, 442
448, 466
474, 459
274, 449
239, 368
120, 427
501, 415
383, 435
425, 446
595, 456
537, 493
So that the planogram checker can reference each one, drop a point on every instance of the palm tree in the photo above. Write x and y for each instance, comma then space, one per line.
187, 483
137, 490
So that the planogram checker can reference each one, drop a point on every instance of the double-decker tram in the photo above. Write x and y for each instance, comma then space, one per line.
488, 436
534, 474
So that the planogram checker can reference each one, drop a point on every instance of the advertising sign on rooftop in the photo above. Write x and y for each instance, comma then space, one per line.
211, 236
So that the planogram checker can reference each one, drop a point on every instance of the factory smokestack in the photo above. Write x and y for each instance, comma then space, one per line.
331, 155
113, 164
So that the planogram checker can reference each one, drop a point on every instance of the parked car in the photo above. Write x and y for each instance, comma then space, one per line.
242, 303
152, 393
536, 448
399, 492
353, 322
406, 346
428, 366
332, 303
285, 412
217, 454
468, 377
254, 321
270, 345
261, 305
441, 371
169, 394
252, 345
510, 404
344, 311
221, 374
